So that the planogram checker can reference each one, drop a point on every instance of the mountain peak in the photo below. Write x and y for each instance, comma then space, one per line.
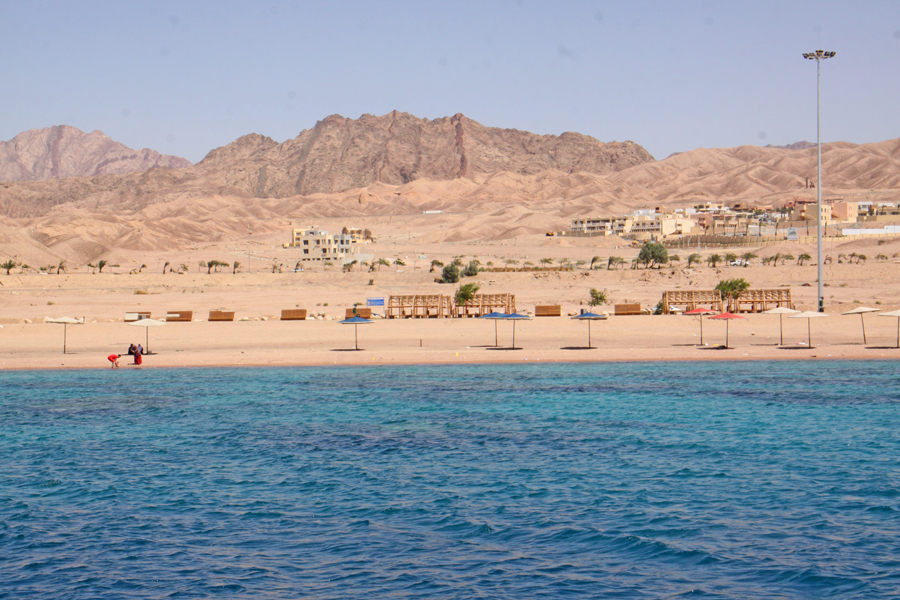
64, 151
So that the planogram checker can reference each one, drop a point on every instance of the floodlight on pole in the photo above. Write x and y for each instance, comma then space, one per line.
819, 56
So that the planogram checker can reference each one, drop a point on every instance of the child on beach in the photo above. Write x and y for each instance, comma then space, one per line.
114, 359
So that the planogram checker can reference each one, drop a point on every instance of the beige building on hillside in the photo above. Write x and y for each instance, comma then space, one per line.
318, 245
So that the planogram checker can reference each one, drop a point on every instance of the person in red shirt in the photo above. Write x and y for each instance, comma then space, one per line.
138, 359
114, 359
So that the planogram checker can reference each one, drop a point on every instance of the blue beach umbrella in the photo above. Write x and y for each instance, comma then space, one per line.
515, 317
589, 316
494, 316
355, 321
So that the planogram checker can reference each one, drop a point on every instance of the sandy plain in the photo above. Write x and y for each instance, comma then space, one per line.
258, 294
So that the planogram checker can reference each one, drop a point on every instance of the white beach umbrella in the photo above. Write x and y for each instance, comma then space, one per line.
861, 310
810, 314
147, 324
894, 313
66, 321
781, 311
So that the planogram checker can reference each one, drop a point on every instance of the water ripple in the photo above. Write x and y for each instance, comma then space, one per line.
776, 480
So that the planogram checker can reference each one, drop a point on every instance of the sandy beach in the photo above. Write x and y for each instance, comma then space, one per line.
27, 342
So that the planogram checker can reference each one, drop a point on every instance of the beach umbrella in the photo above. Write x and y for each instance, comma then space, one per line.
494, 316
147, 324
515, 317
861, 310
700, 312
356, 321
589, 316
65, 321
810, 314
727, 317
894, 313
781, 311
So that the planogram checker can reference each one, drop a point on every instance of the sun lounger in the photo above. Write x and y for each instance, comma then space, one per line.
627, 309
130, 317
179, 316
293, 314
548, 310
221, 315
359, 311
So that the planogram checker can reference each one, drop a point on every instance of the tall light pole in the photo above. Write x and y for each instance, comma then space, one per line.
819, 56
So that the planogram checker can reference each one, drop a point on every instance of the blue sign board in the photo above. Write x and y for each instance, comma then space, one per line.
374, 301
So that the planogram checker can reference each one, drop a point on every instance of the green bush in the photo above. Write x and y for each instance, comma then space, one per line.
450, 274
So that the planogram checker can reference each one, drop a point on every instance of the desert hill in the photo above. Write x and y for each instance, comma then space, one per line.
514, 184
64, 151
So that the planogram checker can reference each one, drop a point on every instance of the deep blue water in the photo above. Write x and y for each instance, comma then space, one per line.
641, 480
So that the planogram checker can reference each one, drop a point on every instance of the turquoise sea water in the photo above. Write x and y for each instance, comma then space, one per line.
640, 480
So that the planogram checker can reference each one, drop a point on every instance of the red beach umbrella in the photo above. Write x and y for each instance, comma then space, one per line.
727, 316
700, 312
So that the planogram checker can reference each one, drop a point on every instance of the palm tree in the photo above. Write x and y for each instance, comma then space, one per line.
382, 261
828, 260
803, 257
674, 258
61, 267
434, 264
101, 264
183, 268
166, 265
236, 266
9, 265
786, 257
841, 258
881, 258
747, 257
549, 261
713, 260
730, 257
210, 264
776, 258
398, 262
141, 268
860, 258
593, 260
513, 262
694, 258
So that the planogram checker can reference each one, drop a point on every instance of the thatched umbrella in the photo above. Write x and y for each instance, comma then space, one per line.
781, 311
810, 314
494, 316
861, 310
700, 312
356, 321
147, 324
727, 317
894, 313
589, 316
66, 321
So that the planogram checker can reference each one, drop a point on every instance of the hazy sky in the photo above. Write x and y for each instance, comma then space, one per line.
186, 77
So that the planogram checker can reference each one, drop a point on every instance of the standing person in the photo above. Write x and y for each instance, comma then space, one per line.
138, 359
139, 350
114, 359
131, 350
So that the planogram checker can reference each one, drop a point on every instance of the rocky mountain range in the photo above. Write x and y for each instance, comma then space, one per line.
496, 184
63, 151
339, 154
